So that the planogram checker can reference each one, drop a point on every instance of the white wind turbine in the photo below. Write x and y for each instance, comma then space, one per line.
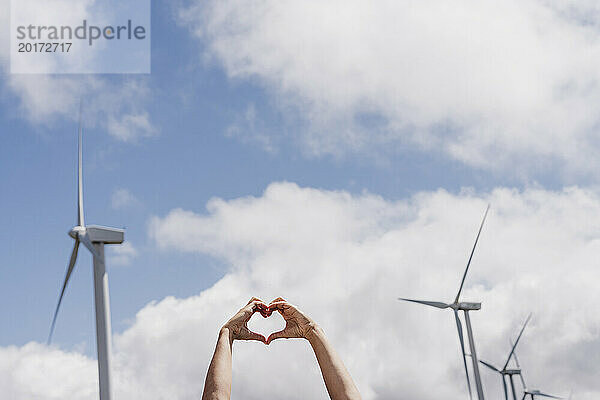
510, 372
532, 392
94, 238
465, 307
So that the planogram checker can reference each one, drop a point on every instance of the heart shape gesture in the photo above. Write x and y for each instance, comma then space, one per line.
297, 324
338, 382
267, 323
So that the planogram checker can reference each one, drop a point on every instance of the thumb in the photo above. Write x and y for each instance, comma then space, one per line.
276, 335
249, 335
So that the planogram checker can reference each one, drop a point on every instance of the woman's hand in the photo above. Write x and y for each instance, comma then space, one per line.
237, 326
297, 324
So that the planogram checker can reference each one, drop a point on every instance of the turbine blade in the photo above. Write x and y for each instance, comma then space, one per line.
462, 348
515, 355
522, 380
471, 256
490, 366
80, 219
62, 292
505, 389
88, 243
516, 342
547, 395
518, 366
436, 304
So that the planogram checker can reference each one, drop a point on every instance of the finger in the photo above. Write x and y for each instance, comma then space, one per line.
277, 300
265, 312
253, 299
279, 306
256, 305
249, 335
261, 307
277, 335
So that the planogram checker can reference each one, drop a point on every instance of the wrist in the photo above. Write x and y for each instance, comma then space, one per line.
226, 332
314, 332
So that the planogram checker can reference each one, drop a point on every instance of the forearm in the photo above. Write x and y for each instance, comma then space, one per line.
218, 378
337, 379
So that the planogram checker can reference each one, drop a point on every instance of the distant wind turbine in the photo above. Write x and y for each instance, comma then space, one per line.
465, 307
505, 371
94, 238
531, 392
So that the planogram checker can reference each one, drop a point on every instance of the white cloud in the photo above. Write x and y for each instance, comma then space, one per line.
355, 255
123, 198
122, 255
537, 253
344, 259
35, 371
491, 85
117, 104
130, 127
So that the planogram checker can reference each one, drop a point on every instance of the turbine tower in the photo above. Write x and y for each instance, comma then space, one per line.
94, 238
532, 392
456, 306
505, 371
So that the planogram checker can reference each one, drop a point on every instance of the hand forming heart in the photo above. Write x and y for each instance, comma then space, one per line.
338, 382
297, 324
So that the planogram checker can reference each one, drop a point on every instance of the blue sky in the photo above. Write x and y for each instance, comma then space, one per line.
190, 161
234, 110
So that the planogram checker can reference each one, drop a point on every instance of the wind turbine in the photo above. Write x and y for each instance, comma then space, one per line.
532, 392
94, 238
505, 371
465, 307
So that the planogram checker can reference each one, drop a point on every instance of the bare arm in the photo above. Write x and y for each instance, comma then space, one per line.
337, 378
218, 378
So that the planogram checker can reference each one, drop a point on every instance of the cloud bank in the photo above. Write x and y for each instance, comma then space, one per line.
344, 259
491, 85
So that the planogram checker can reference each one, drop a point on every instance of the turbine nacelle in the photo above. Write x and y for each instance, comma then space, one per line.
98, 234
511, 372
465, 306
104, 234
